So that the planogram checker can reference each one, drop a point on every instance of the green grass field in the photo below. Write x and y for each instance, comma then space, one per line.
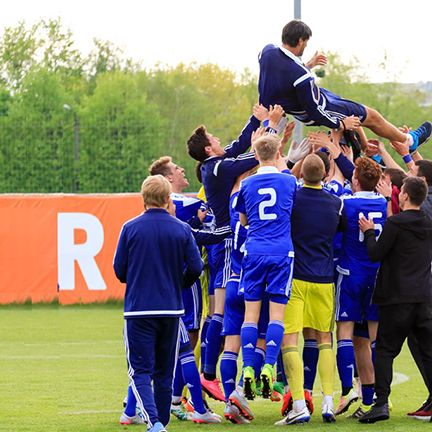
63, 369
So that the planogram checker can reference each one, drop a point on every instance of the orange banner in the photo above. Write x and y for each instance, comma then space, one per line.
61, 247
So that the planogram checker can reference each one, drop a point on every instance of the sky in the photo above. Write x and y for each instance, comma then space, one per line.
231, 33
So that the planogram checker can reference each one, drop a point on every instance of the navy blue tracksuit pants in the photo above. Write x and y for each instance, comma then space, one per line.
151, 351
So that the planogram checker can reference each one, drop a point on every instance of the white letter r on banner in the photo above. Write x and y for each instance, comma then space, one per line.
84, 253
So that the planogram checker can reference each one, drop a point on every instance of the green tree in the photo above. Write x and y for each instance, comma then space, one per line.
121, 132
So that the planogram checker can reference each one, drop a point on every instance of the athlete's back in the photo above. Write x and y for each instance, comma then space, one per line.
354, 253
267, 199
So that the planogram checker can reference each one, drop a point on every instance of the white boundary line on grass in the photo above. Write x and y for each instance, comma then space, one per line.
399, 378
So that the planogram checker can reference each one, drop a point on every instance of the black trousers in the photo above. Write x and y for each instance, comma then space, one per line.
414, 347
395, 324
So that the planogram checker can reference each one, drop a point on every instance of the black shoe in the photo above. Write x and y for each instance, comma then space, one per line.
376, 413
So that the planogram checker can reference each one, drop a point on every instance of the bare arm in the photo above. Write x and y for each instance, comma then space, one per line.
243, 219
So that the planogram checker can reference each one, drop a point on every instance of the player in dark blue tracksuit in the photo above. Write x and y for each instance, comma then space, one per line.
219, 170
152, 252
286, 81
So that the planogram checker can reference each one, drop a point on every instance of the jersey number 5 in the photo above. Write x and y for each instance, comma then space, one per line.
267, 203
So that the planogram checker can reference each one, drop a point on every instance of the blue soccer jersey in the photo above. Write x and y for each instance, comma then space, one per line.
286, 81
354, 254
219, 173
239, 237
267, 199
186, 207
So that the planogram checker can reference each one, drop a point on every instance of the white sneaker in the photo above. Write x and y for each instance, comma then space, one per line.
135, 420
238, 399
232, 413
207, 418
177, 411
328, 414
294, 417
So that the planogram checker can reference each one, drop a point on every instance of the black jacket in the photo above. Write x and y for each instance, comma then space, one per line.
405, 251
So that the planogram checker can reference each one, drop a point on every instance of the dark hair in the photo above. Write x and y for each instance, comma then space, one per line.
416, 188
425, 170
367, 172
325, 158
396, 175
294, 31
197, 144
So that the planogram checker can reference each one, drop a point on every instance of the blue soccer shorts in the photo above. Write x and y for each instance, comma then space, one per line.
354, 296
192, 301
271, 274
339, 107
219, 260
235, 310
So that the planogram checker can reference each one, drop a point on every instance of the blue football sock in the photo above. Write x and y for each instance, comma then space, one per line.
258, 361
345, 362
192, 380
228, 370
310, 362
274, 335
213, 341
178, 381
248, 337
203, 341
373, 350
368, 391
130, 409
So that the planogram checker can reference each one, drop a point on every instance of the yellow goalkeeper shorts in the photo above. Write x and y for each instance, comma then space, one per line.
311, 305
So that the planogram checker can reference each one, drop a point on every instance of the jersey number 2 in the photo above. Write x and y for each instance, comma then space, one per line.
267, 203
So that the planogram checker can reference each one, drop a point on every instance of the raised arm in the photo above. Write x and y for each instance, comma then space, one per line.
243, 142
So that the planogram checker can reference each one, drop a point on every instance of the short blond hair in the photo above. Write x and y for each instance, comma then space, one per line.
155, 191
267, 147
160, 166
313, 169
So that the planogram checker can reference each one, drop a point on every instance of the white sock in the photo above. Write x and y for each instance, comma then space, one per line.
299, 405
176, 400
410, 139
328, 400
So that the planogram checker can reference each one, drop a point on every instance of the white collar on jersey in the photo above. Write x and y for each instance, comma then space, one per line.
267, 170
367, 194
291, 55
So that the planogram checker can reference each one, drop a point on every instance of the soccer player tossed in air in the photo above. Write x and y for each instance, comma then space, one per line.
265, 203
285, 80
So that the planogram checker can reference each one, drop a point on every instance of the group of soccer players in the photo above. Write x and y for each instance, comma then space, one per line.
284, 249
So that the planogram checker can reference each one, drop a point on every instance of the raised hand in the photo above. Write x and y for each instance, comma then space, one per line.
384, 188
351, 122
318, 59
257, 134
275, 114
260, 112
